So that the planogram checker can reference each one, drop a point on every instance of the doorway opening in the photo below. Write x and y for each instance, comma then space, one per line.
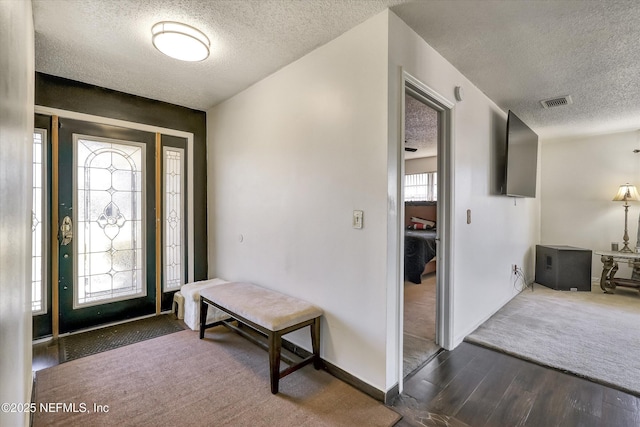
420, 222
425, 176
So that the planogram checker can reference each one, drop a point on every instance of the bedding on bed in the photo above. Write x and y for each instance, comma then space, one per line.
421, 224
419, 249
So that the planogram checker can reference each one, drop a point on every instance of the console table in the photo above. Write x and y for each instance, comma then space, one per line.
610, 259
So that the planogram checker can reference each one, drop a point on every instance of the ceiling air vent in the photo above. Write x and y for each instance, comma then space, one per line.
557, 102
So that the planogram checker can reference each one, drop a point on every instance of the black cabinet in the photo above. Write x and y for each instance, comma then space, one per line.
563, 268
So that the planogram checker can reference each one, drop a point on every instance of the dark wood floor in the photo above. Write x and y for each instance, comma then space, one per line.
473, 386
45, 354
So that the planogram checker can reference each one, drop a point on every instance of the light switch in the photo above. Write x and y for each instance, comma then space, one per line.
357, 219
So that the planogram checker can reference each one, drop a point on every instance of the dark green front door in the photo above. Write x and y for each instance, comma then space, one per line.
106, 229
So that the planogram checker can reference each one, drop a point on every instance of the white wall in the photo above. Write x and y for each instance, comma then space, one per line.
289, 159
502, 232
580, 176
16, 139
421, 165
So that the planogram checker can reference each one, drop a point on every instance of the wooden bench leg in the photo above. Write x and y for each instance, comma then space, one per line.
275, 346
204, 308
315, 343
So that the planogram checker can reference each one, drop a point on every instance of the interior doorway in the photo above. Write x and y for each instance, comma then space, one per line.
443, 217
419, 239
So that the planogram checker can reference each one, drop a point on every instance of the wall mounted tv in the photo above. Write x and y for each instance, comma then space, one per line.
521, 159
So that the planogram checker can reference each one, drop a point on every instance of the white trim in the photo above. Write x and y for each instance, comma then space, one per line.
446, 209
109, 121
444, 273
446, 103
153, 129
400, 238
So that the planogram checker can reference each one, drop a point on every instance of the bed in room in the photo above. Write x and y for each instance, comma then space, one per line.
419, 240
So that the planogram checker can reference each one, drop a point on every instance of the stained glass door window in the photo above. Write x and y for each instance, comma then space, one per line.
38, 222
109, 219
173, 202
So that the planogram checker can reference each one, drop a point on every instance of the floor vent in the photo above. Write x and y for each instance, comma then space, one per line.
557, 102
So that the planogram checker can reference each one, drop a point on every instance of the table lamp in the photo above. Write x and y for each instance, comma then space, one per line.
626, 193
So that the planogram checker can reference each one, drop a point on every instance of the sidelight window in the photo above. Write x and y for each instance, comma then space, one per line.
38, 224
173, 202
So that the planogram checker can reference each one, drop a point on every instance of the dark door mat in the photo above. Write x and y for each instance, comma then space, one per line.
99, 340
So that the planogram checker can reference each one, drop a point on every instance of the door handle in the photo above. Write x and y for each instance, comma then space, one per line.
66, 231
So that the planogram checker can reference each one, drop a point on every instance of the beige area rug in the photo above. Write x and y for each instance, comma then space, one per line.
419, 323
590, 334
178, 379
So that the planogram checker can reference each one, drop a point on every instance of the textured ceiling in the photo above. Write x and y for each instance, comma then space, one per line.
108, 42
521, 52
421, 128
517, 52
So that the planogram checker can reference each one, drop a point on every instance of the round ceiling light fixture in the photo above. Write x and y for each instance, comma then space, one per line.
180, 41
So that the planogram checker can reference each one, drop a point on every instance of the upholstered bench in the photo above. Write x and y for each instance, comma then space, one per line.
191, 294
178, 305
269, 312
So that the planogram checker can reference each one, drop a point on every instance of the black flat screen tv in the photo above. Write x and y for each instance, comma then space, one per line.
521, 159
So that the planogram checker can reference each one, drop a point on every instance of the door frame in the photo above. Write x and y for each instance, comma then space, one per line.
56, 112
444, 272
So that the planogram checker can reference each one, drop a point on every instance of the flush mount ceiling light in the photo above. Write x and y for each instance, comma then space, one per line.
180, 41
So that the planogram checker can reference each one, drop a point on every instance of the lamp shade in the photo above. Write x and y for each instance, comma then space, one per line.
180, 41
627, 192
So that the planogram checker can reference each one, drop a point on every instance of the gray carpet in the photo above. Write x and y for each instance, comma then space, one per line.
590, 334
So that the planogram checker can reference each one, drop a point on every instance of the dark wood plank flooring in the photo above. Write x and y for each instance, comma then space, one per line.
45, 354
472, 386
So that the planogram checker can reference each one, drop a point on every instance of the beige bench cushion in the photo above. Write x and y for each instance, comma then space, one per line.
191, 294
267, 308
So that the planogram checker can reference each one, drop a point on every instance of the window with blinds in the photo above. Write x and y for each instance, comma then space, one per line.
420, 187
